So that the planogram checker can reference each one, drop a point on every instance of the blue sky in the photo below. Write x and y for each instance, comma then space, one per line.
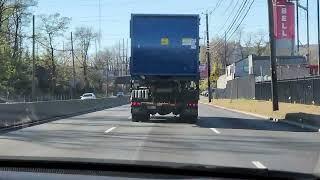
116, 14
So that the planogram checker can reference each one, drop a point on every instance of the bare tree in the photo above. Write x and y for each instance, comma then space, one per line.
20, 17
52, 27
260, 44
84, 36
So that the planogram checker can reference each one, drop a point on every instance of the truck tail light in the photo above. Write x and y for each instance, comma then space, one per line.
192, 105
135, 104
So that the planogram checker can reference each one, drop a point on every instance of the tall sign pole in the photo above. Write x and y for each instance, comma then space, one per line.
297, 12
308, 33
208, 58
274, 86
318, 14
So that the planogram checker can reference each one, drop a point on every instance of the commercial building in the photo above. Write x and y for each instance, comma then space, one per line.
288, 67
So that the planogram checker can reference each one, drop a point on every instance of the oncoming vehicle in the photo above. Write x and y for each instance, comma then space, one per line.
88, 96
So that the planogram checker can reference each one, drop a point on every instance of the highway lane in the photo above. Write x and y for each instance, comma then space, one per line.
220, 137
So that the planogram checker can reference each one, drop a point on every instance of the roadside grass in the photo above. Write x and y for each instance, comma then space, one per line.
265, 107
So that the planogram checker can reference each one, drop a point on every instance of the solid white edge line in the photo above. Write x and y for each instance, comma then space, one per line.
259, 165
215, 130
109, 130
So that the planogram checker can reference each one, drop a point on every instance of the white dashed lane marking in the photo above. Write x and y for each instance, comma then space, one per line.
259, 165
215, 130
109, 130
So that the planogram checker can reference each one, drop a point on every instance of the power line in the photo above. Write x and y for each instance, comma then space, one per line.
241, 20
243, 17
231, 2
238, 15
235, 19
225, 23
44, 45
216, 7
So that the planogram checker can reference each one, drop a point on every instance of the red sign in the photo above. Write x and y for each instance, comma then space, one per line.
203, 71
284, 25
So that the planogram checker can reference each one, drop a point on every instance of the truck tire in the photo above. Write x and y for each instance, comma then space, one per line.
134, 118
192, 119
145, 117
140, 117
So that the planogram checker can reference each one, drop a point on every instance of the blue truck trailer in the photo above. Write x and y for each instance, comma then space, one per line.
164, 66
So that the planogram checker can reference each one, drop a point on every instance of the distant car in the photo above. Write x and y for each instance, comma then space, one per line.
205, 93
88, 96
120, 94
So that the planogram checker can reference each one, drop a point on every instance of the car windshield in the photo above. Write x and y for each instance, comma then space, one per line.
87, 95
209, 82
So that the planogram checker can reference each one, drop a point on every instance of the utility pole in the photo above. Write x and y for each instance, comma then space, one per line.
297, 11
127, 57
123, 60
308, 36
274, 86
225, 51
63, 57
99, 24
73, 69
33, 60
208, 58
118, 59
107, 77
318, 14
96, 49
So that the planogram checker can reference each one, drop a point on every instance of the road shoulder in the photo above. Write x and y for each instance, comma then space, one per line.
291, 121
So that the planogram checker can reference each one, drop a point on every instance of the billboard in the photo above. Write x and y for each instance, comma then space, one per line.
284, 21
284, 27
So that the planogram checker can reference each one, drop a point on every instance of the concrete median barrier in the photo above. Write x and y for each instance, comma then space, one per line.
304, 120
21, 113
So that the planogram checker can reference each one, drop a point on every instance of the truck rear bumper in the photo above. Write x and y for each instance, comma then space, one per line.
163, 109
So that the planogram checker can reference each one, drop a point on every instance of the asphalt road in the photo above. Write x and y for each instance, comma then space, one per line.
220, 137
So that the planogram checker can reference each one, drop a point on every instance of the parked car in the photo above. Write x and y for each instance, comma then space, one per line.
88, 96
120, 94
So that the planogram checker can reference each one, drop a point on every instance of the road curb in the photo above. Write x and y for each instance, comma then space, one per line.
304, 126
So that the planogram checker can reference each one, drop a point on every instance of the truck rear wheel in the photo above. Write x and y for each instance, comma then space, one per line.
192, 119
140, 117
134, 118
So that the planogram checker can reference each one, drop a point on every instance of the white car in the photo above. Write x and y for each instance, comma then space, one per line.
88, 96
120, 94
